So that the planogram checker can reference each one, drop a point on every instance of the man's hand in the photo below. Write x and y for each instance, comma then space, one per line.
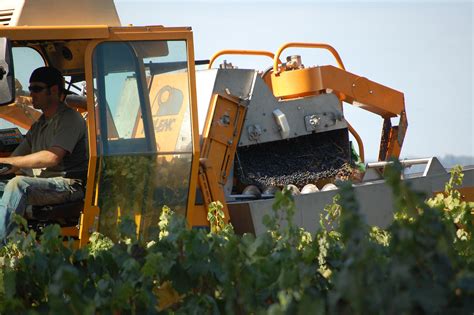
5, 168
46, 158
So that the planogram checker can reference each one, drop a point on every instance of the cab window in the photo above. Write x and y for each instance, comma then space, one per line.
16, 120
25, 60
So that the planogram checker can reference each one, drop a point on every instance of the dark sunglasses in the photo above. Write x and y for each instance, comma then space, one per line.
37, 88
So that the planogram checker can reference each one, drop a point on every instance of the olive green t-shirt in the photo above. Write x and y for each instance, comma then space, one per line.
67, 130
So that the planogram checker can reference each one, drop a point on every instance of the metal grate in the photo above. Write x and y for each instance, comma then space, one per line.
6, 16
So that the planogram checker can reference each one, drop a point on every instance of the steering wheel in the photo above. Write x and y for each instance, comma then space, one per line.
5, 167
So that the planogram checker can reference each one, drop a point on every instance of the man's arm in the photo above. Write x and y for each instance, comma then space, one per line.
45, 158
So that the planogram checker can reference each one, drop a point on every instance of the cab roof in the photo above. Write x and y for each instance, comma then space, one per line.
54, 12
75, 32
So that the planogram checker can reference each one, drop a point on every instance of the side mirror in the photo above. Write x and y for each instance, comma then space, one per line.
7, 75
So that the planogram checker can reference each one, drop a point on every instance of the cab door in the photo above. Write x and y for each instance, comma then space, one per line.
145, 138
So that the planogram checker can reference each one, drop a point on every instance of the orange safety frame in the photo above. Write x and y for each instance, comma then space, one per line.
351, 88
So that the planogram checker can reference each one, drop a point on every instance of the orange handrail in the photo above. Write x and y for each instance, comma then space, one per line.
360, 144
239, 52
333, 51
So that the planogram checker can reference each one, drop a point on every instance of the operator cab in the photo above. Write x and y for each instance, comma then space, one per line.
135, 92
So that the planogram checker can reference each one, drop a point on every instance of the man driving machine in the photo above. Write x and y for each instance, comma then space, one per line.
51, 162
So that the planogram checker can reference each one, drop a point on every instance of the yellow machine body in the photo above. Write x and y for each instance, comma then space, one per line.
139, 99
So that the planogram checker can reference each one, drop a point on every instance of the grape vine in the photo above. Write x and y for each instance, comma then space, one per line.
423, 263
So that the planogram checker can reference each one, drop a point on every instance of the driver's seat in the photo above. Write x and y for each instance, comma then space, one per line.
66, 215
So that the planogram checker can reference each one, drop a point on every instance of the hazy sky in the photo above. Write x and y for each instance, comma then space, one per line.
424, 49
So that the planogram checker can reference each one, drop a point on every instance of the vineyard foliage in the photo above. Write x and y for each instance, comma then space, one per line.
423, 263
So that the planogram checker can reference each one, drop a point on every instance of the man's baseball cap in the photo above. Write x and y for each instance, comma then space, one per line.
48, 75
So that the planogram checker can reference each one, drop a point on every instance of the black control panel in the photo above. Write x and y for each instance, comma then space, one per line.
10, 138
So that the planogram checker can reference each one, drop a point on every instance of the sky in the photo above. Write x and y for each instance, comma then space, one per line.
423, 49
